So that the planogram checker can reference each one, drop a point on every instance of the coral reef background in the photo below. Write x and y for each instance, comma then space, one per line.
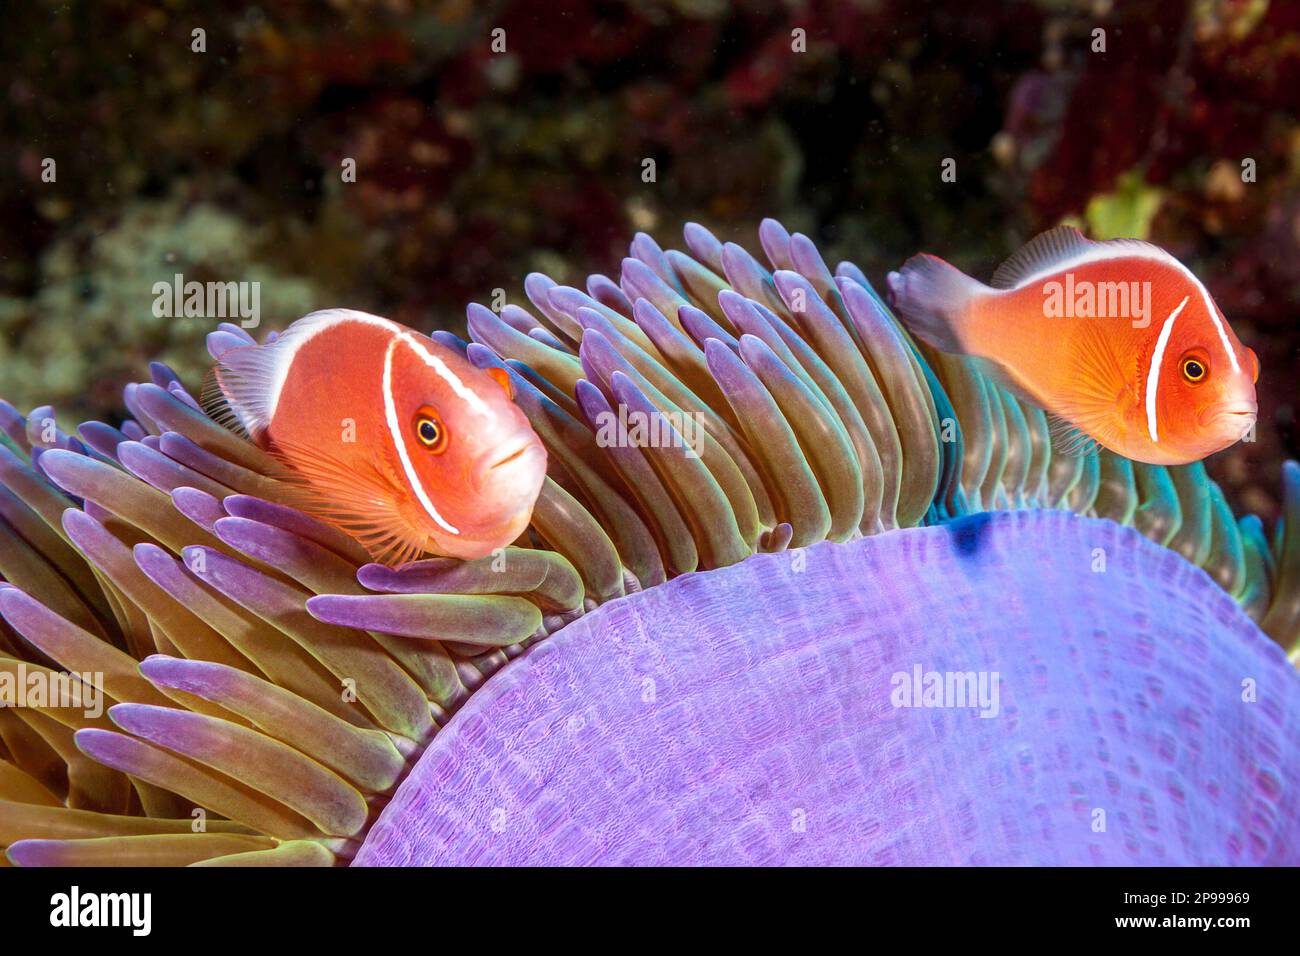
475, 167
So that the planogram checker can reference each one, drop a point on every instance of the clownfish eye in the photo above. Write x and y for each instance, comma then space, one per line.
430, 432
1194, 370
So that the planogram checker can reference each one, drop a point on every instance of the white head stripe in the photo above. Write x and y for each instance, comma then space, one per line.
1153, 374
467, 394
395, 432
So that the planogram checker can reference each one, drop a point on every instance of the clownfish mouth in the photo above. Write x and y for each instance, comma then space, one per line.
514, 456
1232, 421
1230, 412
515, 471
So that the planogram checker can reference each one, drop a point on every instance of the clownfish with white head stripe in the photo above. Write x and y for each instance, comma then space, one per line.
392, 437
1118, 340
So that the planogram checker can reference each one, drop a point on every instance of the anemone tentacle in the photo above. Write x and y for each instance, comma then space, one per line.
263, 678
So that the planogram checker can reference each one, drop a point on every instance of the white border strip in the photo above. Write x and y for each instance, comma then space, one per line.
1153, 374
463, 391
395, 432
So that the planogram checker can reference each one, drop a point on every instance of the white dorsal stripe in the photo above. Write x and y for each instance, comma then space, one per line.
1118, 248
285, 348
463, 391
395, 432
1153, 374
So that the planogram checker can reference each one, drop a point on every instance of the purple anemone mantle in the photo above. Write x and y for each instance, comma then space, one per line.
747, 716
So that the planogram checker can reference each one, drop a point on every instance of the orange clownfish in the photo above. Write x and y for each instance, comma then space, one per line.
1117, 340
390, 436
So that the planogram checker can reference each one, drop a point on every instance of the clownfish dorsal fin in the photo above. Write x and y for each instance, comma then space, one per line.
1043, 254
361, 499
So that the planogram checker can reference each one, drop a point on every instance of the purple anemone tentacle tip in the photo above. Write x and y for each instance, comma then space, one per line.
780, 711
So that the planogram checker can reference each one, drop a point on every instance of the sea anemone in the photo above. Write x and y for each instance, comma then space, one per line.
748, 716
270, 689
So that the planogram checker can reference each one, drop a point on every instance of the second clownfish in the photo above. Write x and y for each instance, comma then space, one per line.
1118, 340
390, 436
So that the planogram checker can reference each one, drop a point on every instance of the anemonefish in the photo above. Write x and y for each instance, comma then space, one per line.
1117, 340
388, 435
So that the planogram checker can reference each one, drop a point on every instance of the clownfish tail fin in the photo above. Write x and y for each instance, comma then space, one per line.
931, 298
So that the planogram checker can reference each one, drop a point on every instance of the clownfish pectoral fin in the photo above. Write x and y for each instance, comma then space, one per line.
1069, 439
388, 543
358, 499
1045, 253
931, 297
1097, 393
